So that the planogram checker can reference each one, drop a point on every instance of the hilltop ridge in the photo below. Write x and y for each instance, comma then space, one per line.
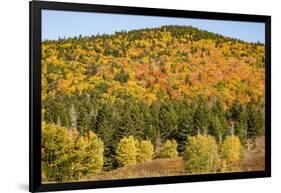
171, 60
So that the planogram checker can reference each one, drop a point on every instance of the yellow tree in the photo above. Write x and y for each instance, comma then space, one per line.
89, 150
145, 151
126, 152
201, 154
57, 146
169, 149
231, 149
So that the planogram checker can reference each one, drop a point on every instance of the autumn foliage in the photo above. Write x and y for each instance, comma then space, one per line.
231, 151
127, 151
201, 154
145, 151
110, 101
169, 149
67, 156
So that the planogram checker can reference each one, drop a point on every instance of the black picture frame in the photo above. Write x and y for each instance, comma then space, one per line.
35, 184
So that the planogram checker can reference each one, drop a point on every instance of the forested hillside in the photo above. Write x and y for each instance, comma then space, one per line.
156, 84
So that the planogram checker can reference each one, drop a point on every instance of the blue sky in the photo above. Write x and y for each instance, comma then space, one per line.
57, 24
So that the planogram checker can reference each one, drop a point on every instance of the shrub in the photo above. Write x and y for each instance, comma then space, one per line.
126, 152
169, 149
201, 154
145, 151
231, 150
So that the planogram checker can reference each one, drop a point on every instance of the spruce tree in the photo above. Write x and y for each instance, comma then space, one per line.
104, 126
253, 122
185, 123
168, 119
218, 121
201, 117
238, 113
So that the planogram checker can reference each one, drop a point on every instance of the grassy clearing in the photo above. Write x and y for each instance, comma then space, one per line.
254, 159
153, 168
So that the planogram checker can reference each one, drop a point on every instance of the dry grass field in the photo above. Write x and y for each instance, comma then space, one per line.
153, 168
254, 159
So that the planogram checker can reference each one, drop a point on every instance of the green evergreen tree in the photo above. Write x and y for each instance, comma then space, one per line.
218, 121
201, 117
168, 119
105, 128
239, 114
185, 123
255, 122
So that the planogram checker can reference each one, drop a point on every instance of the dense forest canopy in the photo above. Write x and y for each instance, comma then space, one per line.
155, 84
149, 64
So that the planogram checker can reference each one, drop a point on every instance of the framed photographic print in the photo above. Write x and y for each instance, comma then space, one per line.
126, 96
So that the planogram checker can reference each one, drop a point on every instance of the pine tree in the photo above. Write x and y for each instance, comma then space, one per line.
241, 126
84, 115
201, 117
239, 114
218, 122
168, 119
216, 129
149, 130
253, 122
185, 123
105, 127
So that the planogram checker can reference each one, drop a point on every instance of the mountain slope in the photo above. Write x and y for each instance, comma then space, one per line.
148, 64
154, 84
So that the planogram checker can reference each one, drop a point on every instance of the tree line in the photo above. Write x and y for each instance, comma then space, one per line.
160, 121
68, 156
